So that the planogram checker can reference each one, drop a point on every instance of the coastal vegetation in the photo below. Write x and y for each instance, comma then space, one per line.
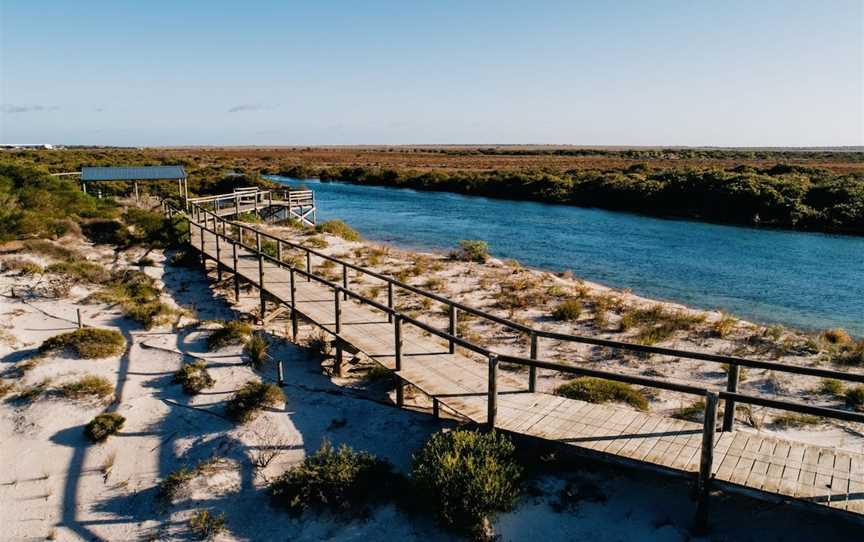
230, 332
337, 479
87, 343
597, 390
466, 477
254, 396
103, 426
194, 377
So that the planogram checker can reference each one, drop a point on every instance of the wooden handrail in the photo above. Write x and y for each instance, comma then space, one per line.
728, 396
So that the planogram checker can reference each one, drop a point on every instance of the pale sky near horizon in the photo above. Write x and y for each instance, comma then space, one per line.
736, 73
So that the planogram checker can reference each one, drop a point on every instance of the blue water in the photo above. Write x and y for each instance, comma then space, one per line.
804, 280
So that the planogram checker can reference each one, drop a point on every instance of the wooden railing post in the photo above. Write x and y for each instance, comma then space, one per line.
237, 207
532, 371
218, 258
345, 281
258, 240
337, 309
452, 327
203, 255
294, 322
729, 404
397, 339
390, 300
703, 485
308, 266
279, 250
492, 399
236, 274
261, 285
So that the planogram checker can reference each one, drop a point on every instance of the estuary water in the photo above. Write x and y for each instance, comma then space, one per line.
805, 280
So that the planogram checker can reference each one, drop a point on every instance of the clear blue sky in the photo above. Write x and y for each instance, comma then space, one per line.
731, 73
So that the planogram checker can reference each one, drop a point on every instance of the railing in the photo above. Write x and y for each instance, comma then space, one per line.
203, 218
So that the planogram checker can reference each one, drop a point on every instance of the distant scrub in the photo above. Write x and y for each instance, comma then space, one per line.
471, 251
786, 196
35, 204
87, 343
597, 390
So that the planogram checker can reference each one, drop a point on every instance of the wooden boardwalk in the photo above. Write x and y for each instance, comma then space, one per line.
742, 460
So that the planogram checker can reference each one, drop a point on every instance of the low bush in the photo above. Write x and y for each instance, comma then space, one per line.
50, 249
849, 354
205, 525
138, 295
836, 336
251, 398
467, 476
231, 332
256, 350
568, 310
597, 390
335, 479
471, 251
339, 229
104, 425
657, 324
831, 386
317, 242
194, 377
855, 398
106, 232
723, 326
88, 386
87, 343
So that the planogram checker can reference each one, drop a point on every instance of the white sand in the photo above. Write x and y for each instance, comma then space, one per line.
53, 483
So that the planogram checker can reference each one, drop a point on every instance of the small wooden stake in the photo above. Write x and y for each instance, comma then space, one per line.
80, 322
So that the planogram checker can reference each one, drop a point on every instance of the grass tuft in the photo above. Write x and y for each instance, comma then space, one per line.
104, 425
339, 229
597, 390
87, 343
206, 526
256, 350
471, 251
194, 377
86, 387
568, 311
246, 402
231, 332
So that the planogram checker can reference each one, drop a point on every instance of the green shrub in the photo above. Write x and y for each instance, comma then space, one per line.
50, 249
138, 295
206, 526
252, 397
106, 232
568, 310
855, 397
339, 229
723, 326
657, 324
336, 479
471, 251
466, 476
104, 425
194, 377
231, 332
849, 354
256, 350
831, 386
597, 390
88, 342
88, 386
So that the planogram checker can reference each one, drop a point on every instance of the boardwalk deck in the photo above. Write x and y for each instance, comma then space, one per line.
742, 460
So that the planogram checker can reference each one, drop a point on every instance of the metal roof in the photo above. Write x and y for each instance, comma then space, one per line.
132, 173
